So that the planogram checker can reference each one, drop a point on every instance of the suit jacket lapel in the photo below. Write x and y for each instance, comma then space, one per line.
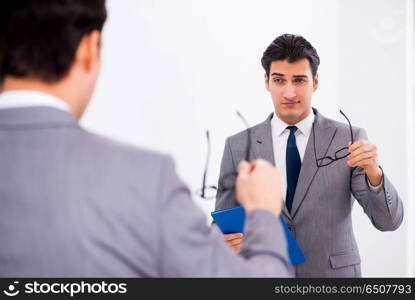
324, 135
262, 141
263, 148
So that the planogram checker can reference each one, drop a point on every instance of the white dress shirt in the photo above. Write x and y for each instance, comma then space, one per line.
29, 98
280, 135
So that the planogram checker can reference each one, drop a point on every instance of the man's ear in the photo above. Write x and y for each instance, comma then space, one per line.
87, 54
266, 81
315, 83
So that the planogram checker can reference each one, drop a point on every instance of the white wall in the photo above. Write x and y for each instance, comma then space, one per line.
410, 127
172, 69
372, 87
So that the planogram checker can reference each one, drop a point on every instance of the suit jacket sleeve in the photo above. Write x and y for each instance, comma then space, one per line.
383, 206
226, 197
189, 247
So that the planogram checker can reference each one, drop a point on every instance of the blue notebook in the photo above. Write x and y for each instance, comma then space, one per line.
232, 220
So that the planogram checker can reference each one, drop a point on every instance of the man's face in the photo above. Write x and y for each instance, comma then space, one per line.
291, 86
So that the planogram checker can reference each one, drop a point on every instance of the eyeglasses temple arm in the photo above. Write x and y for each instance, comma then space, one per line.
350, 125
206, 165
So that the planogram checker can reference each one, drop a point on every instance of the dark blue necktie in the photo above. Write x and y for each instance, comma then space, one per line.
293, 166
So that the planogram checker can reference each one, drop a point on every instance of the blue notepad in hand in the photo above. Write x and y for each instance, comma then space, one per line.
232, 220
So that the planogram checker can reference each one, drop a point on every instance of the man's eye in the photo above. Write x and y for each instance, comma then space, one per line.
278, 80
299, 80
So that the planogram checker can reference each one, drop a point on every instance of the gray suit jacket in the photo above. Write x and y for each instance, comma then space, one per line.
320, 218
79, 205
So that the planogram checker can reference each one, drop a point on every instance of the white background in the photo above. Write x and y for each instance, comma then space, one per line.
172, 69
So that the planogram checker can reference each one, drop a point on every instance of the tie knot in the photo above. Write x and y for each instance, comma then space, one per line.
292, 129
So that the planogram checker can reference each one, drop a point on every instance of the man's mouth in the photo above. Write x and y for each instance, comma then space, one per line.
290, 104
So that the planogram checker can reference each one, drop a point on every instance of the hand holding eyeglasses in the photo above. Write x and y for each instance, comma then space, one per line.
258, 186
364, 154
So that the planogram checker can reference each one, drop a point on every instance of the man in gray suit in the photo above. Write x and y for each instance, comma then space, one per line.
79, 205
324, 163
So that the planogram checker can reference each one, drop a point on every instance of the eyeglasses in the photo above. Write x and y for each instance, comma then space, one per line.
227, 181
339, 154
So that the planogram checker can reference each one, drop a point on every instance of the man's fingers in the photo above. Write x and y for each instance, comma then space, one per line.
363, 156
258, 163
361, 150
235, 243
358, 144
362, 163
260, 188
261, 165
232, 236
238, 248
244, 168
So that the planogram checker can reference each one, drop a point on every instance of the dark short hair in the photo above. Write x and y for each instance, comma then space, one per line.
292, 48
39, 38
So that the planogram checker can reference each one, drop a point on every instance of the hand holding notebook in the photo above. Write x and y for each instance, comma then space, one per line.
232, 220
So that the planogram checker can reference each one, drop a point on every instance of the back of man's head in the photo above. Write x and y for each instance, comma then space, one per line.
39, 38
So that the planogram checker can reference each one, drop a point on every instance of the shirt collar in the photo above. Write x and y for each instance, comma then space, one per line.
31, 98
304, 126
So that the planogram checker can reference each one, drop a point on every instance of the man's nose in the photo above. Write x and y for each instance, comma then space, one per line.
289, 92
